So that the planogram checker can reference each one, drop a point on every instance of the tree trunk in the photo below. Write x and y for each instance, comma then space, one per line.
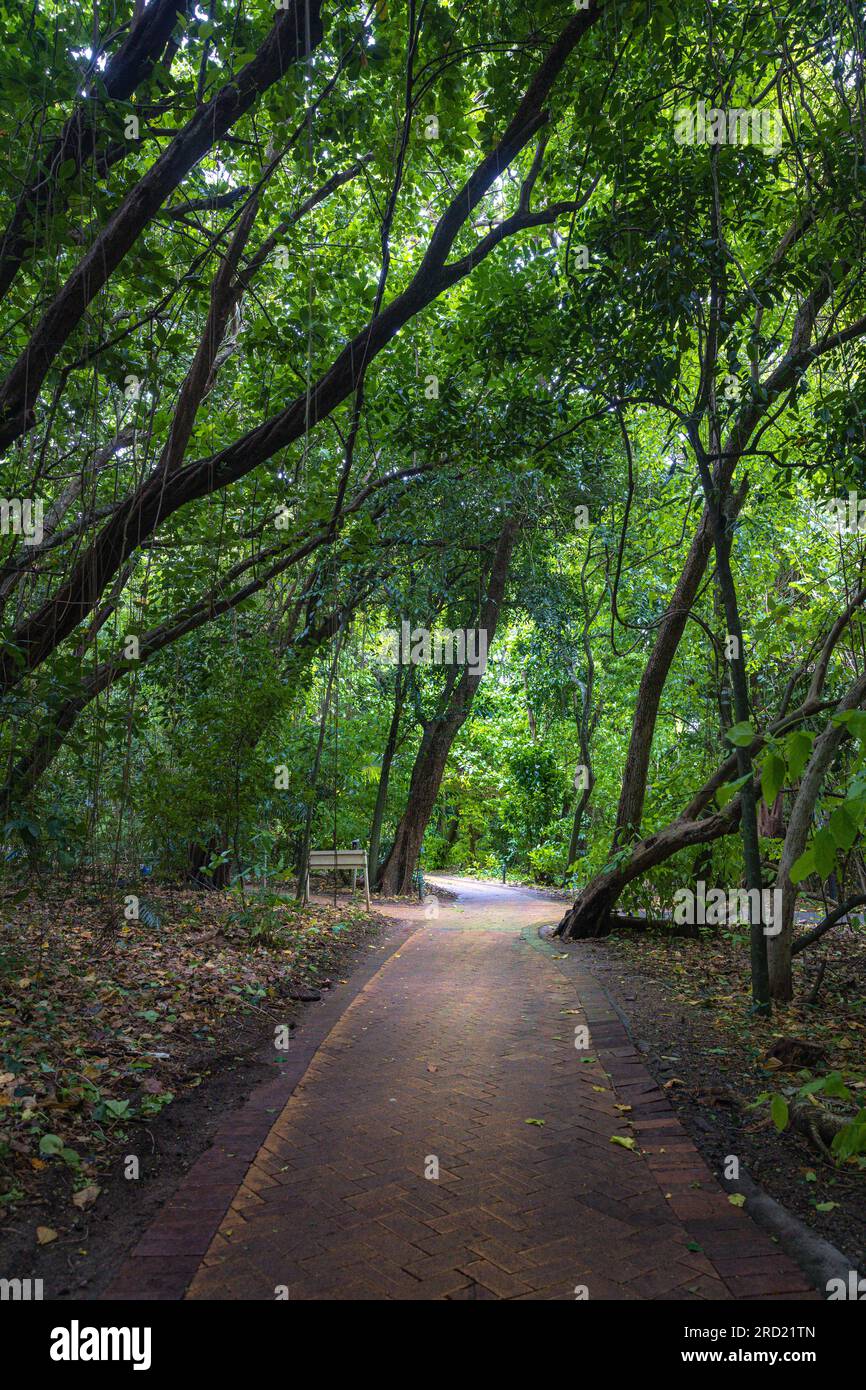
599, 896
439, 734
399, 868
585, 717
577, 824
200, 854
799, 825
652, 683
384, 777
80, 137
304, 847
670, 631
771, 819
590, 916
722, 509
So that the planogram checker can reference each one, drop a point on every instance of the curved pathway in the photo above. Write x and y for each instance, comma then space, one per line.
451, 1139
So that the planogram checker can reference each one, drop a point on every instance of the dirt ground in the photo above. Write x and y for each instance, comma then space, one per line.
138, 1043
686, 1005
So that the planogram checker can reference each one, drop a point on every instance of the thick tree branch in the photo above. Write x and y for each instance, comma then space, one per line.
285, 44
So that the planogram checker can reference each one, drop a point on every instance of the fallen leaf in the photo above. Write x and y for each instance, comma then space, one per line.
623, 1142
86, 1196
45, 1235
534, 1122
736, 1199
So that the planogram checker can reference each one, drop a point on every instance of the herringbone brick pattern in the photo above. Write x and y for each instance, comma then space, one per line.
465, 1035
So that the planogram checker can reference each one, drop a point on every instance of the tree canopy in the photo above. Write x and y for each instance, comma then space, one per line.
325, 323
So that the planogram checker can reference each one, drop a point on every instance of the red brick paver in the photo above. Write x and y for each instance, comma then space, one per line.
464, 1035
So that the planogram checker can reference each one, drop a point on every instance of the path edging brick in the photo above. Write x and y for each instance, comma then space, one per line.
714, 1223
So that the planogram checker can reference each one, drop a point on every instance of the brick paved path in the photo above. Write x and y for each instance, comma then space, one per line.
464, 1035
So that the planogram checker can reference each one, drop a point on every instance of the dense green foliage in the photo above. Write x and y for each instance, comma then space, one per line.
400, 300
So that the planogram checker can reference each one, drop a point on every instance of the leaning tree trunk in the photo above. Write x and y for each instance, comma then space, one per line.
398, 870
591, 914
671, 629
722, 509
652, 683
799, 824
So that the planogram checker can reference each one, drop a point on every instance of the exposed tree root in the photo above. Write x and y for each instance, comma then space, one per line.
818, 1125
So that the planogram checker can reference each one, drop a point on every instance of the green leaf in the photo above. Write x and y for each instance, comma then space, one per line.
779, 1112
825, 852
804, 866
623, 1142
842, 827
798, 746
772, 777
852, 1139
729, 789
741, 735
854, 720
835, 1086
